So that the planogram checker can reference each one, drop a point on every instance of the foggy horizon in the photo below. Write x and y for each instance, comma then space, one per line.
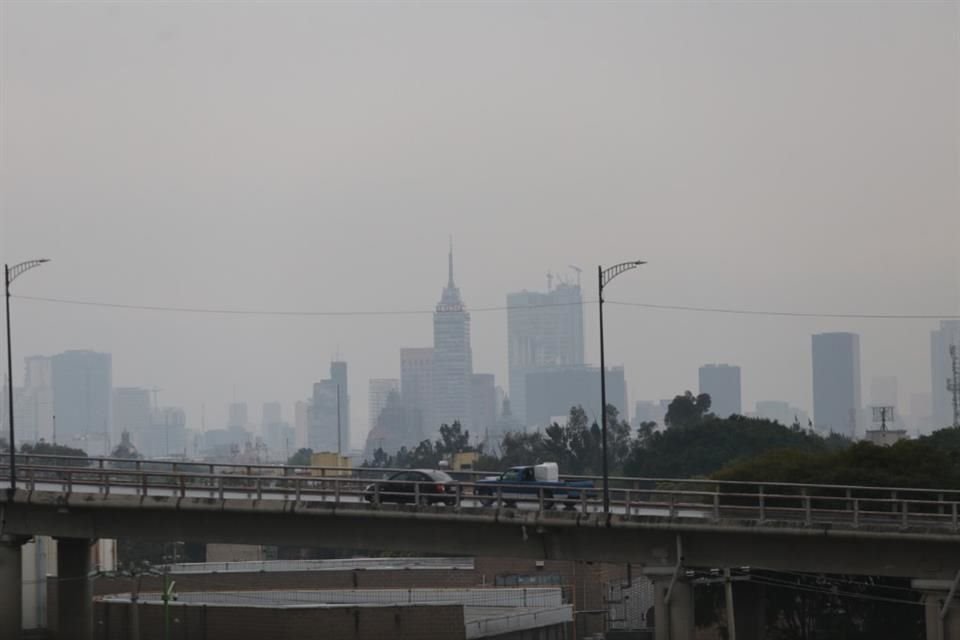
316, 158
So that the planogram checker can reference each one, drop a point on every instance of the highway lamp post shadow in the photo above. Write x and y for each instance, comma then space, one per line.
9, 275
604, 276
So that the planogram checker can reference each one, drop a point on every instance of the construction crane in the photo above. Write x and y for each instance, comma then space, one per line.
578, 270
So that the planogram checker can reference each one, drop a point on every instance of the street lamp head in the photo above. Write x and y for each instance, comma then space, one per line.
640, 262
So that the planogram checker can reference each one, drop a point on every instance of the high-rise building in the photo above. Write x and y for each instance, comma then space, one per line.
722, 383
397, 426
551, 393
544, 330
836, 382
650, 411
483, 403
941, 371
416, 388
38, 391
329, 408
380, 389
920, 407
782, 412
167, 435
82, 394
272, 414
338, 376
237, 415
301, 412
452, 358
131, 414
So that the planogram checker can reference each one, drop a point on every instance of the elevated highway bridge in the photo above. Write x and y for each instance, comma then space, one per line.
659, 526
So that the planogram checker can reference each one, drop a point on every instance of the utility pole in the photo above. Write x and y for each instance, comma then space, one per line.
953, 384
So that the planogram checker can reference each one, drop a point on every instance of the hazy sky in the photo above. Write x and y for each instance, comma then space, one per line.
316, 156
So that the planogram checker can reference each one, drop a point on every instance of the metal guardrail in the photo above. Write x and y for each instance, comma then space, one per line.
691, 500
329, 564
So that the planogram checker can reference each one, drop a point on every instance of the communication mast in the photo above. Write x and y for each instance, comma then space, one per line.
953, 384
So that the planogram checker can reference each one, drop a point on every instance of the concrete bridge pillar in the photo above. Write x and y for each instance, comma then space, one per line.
672, 620
74, 590
945, 628
11, 586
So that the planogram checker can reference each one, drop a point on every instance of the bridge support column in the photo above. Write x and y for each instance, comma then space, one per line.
74, 591
946, 628
11, 586
672, 620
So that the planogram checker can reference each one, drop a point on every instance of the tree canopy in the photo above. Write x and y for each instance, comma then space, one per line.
709, 443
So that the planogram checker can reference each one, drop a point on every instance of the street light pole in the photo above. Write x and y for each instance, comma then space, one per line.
9, 275
604, 276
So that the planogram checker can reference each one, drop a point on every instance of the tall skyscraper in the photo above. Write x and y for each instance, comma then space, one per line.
338, 376
416, 389
38, 391
544, 330
836, 382
327, 409
82, 394
483, 404
722, 383
940, 371
452, 358
380, 389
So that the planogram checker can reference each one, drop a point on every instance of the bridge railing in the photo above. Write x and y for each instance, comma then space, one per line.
693, 500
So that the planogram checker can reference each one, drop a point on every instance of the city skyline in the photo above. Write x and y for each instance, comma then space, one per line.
759, 178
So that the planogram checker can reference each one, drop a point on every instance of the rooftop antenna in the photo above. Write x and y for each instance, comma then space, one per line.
578, 270
881, 415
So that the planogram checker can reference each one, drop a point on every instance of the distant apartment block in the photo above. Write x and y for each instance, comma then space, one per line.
416, 386
132, 413
82, 398
782, 412
483, 403
650, 411
551, 393
722, 383
544, 330
836, 382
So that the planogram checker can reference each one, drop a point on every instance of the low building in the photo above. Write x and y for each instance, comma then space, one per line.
536, 613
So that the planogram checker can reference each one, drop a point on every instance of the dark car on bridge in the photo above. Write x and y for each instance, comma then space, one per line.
429, 486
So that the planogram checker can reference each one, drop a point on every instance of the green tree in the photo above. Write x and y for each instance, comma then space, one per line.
301, 458
49, 449
707, 446
453, 439
687, 410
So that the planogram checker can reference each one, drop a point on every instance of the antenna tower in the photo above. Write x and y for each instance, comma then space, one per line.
953, 384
